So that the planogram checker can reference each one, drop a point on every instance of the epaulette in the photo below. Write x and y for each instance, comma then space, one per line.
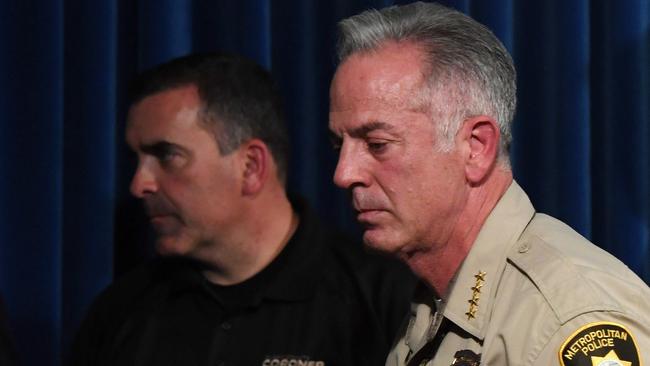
560, 281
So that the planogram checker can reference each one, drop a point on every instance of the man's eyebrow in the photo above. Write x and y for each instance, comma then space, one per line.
158, 148
366, 128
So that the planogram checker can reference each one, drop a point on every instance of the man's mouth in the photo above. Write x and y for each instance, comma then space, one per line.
163, 216
157, 209
368, 216
165, 224
362, 207
159, 217
368, 209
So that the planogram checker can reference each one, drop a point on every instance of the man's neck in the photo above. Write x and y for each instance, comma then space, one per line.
269, 225
438, 266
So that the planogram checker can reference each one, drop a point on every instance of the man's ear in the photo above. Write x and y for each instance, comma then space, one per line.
481, 137
256, 157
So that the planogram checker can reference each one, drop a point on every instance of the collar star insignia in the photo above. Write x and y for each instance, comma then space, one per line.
610, 359
480, 276
476, 295
474, 300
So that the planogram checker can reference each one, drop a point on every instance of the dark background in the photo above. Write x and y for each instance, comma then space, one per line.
68, 226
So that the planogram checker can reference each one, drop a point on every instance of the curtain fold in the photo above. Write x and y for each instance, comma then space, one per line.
68, 225
89, 101
621, 115
551, 148
163, 29
31, 161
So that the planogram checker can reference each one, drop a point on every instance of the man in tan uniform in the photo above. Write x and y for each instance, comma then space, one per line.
421, 106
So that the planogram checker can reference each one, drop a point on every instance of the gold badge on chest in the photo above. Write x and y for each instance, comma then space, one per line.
466, 358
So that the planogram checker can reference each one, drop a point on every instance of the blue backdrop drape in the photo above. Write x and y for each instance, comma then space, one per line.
67, 225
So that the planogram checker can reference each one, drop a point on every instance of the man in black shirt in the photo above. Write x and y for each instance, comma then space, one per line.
246, 276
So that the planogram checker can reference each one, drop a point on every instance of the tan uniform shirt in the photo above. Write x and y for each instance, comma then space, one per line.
531, 292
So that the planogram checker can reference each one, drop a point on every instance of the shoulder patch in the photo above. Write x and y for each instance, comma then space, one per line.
600, 344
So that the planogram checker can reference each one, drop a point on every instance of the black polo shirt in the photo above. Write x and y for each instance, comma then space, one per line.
322, 301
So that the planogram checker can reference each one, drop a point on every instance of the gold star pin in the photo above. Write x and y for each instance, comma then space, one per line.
480, 276
471, 314
477, 287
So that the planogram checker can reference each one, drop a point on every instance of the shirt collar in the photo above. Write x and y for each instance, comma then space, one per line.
298, 269
291, 276
476, 282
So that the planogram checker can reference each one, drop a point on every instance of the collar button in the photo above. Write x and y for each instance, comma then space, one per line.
524, 247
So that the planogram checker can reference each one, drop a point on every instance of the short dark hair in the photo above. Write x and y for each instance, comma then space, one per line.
240, 100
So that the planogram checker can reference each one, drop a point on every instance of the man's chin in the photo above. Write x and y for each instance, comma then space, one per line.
167, 245
378, 240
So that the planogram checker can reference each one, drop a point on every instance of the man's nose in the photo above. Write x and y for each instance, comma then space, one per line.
350, 170
143, 182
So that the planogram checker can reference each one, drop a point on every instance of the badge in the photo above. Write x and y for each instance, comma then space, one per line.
466, 358
600, 344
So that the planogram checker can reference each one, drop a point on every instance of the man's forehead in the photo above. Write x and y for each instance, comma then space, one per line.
171, 105
385, 110
393, 93
164, 116
138, 136
414, 101
379, 78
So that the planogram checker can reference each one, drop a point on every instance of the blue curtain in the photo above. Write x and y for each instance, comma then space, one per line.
68, 225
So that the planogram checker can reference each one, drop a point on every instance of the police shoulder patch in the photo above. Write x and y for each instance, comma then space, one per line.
600, 344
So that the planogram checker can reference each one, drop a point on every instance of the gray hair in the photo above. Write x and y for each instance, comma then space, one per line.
466, 64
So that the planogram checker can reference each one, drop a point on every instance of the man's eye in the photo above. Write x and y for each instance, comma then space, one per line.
377, 147
167, 156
